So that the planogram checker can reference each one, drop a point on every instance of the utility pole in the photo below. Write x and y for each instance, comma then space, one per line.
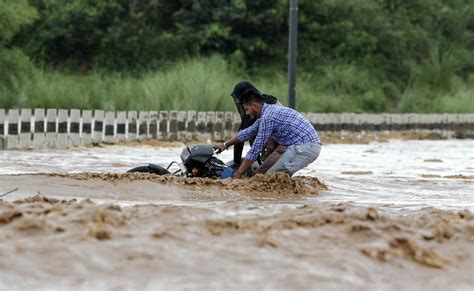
292, 49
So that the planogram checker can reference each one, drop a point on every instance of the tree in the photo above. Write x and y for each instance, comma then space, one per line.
14, 64
116, 35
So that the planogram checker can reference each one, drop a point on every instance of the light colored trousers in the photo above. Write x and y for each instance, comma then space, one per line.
296, 157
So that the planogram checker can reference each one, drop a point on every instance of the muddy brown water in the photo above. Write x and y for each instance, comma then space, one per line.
378, 215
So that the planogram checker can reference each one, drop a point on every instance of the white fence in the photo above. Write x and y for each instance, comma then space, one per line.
63, 128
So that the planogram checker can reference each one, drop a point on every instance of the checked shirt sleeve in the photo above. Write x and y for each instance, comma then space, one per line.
264, 132
249, 132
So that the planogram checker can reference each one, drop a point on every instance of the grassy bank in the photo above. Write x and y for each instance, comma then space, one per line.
205, 83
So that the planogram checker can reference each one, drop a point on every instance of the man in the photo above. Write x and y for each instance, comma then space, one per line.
272, 151
285, 125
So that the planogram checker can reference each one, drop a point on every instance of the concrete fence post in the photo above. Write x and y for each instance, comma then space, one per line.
39, 130
51, 135
173, 125
377, 120
437, 121
109, 134
425, 121
164, 122
448, 122
62, 138
312, 118
219, 127
75, 128
364, 122
12, 129
210, 125
86, 132
191, 125
236, 122
320, 121
2, 122
428, 120
357, 122
466, 121
3, 140
153, 124
228, 120
453, 121
98, 126
405, 125
143, 125
337, 121
25, 129
433, 121
396, 122
132, 120
121, 126
182, 134
415, 121
385, 122
445, 122
201, 126
347, 121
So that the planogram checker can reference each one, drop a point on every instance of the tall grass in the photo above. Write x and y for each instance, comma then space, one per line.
436, 86
204, 84
199, 84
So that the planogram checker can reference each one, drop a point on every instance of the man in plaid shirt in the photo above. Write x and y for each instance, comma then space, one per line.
286, 126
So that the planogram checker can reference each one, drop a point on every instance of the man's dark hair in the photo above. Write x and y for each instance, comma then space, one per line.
251, 96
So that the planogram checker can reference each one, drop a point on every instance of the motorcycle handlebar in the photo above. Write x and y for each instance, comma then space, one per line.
217, 149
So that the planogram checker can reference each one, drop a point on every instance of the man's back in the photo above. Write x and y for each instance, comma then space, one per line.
288, 126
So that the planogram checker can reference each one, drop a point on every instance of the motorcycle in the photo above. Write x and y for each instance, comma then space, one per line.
197, 160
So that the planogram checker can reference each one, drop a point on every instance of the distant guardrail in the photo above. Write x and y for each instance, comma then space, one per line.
64, 128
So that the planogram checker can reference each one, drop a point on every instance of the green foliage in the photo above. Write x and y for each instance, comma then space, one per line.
362, 56
13, 16
14, 73
14, 65
254, 28
87, 35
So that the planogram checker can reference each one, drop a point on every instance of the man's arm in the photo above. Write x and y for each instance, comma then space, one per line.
264, 132
227, 144
241, 136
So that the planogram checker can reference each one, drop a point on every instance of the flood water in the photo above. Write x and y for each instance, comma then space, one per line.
398, 174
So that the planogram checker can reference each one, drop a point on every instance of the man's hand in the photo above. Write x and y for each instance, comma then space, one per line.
220, 147
237, 175
225, 145
242, 169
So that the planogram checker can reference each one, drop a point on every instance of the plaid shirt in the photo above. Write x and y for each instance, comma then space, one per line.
285, 125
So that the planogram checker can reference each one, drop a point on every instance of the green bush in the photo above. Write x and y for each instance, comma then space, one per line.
15, 67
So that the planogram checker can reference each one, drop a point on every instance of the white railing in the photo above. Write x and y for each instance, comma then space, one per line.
64, 128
